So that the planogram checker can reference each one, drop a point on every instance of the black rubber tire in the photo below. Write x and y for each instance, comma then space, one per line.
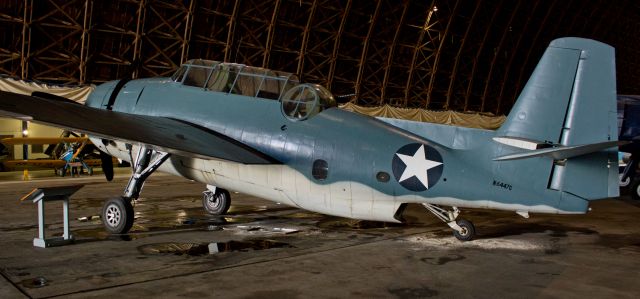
469, 230
117, 215
219, 204
635, 189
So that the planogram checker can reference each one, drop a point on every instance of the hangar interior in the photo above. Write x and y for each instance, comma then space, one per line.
469, 56
452, 62
460, 56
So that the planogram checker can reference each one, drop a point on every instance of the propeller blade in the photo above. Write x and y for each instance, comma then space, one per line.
107, 165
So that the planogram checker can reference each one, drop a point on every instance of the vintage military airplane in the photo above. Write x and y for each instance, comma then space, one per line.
70, 154
66, 154
263, 133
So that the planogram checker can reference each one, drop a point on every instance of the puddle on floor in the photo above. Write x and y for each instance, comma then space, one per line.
199, 249
344, 223
142, 228
34, 283
556, 230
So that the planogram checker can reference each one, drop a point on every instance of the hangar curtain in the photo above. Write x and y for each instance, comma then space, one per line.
470, 120
78, 94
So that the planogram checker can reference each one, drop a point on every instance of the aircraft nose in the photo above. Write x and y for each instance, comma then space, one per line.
100, 95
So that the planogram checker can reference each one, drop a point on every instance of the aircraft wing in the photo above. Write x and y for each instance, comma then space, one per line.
164, 134
46, 163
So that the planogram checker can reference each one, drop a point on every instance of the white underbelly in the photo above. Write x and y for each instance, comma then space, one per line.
278, 183
283, 184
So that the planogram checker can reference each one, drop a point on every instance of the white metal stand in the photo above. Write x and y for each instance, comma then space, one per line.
42, 195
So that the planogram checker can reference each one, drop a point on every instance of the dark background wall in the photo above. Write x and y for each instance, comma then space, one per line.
459, 55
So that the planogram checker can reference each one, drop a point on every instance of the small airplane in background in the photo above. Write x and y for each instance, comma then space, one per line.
264, 133
67, 154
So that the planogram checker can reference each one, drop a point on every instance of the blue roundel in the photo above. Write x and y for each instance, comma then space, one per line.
417, 166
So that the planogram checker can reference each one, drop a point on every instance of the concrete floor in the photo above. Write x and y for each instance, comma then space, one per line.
274, 251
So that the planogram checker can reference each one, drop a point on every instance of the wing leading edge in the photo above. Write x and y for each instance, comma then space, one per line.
161, 133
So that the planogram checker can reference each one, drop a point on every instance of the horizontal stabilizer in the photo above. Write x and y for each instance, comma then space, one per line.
563, 152
521, 143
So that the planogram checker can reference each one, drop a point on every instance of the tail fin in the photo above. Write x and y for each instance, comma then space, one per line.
570, 100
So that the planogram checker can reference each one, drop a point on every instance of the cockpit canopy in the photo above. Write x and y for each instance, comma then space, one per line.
235, 78
298, 101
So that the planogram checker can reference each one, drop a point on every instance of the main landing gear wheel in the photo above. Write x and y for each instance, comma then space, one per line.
467, 232
216, 203
117, 215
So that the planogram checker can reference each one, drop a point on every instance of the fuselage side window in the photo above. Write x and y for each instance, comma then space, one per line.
249, 81
219, 79
197, 76
179, 74
270, 88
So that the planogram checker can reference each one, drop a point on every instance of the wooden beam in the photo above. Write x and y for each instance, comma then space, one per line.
25, 52
496, 55
137, 41
271, 29
365, 49
336, 45
305, 39
418, 48
513, 56
184, 54
392, 47
475, 60
454, 71
534, 42
434, 71
84, 48
230, 33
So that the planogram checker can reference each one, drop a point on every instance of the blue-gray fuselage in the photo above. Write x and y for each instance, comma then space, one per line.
359, 152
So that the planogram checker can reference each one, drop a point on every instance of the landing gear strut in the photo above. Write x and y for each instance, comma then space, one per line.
117, 213
463, 229
216, 201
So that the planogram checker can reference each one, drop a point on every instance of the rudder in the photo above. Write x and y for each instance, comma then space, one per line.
570, 100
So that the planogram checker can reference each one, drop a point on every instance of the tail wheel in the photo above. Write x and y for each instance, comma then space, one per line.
624, 183
468, 230
216, 203
117, 215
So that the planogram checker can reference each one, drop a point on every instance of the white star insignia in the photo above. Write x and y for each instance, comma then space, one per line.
417, 165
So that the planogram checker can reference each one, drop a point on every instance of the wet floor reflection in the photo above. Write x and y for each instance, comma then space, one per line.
352, 224
199, 249
33, 283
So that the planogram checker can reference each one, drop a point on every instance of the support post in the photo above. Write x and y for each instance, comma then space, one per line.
40, 220
25, 133
42, 195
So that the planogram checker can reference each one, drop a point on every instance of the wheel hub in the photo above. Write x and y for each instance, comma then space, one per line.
114, 215
213, 201
464, 231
